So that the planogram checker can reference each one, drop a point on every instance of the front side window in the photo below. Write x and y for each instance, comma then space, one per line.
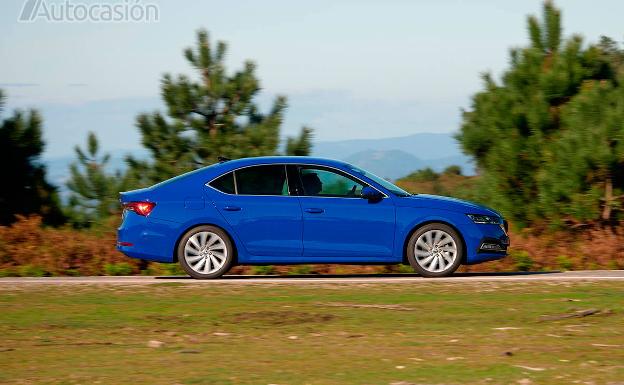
262, 180
322, 182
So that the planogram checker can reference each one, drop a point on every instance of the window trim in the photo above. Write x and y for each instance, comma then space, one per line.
207, 184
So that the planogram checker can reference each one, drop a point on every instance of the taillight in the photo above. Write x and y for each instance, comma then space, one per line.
141, 208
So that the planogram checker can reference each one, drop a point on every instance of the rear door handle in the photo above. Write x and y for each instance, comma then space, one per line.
314, 210
231, 208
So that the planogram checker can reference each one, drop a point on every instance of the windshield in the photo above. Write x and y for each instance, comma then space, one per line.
386, 184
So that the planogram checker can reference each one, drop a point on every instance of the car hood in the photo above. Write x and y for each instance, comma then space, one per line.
446, 203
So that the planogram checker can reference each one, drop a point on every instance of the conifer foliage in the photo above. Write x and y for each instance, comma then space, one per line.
210, 115
548, 138
24, 189
93, 188
301, 145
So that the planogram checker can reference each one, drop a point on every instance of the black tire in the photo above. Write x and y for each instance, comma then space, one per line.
451, 267
229, 252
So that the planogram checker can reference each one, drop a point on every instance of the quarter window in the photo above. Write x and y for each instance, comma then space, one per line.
224, 183
262, 180
317, 181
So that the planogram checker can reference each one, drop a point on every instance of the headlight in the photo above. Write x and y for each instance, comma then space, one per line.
485, 219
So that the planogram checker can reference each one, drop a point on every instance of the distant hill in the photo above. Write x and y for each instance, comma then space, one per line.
390, 158
394, 164
393, 158
389, 164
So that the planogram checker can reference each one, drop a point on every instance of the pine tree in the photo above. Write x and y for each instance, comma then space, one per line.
25, 189
583, 179
94, 191
511, 127
213, 115
301, 145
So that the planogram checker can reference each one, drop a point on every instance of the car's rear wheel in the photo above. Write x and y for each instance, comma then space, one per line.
205, 252
435, 250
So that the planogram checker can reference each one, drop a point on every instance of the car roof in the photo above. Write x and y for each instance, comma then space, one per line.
216, 169
236, 163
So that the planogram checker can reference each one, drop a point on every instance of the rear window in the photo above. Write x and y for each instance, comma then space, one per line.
262, 180
224, 183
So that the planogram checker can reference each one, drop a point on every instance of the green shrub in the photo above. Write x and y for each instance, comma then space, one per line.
452, 170
564, 262
263, 270
121, 268
404, 269
396, 269
173, 269
522, 260
423, 175
593, 266
300, 270
156, 268
31, 271
8, 273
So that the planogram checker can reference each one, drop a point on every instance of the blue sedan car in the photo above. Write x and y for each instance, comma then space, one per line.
294, 210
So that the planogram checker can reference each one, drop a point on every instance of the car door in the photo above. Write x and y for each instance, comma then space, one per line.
257, 203
339, 225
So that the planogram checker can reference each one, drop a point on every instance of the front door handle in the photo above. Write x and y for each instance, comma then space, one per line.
314, 210
232, 208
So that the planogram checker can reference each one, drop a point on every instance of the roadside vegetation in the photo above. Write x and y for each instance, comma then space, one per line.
449, 182
539, 247
547, 139
29, 249
435, 332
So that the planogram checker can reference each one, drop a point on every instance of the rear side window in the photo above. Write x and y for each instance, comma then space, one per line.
262, 180
224, 183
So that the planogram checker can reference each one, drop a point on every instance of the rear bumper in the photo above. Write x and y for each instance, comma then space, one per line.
146, 238
129, 252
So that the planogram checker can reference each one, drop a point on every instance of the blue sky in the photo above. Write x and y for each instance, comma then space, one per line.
351, 69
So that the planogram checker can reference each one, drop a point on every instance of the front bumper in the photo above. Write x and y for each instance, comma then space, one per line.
494, 245
487, 242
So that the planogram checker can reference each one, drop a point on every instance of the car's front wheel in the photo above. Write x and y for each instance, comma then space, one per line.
205, 252
435, 250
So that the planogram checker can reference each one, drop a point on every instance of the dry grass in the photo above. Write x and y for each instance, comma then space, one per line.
445, 333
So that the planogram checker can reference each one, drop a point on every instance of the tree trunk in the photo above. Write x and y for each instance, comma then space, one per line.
608, 197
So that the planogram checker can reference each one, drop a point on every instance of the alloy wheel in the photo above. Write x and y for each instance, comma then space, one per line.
435, 251
205, 252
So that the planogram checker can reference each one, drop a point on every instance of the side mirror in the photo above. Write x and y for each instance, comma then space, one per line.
371, 194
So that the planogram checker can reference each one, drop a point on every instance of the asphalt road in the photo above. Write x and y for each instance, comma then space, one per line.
594, 275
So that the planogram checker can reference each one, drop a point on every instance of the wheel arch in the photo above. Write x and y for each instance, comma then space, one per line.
189, 228
428, 222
